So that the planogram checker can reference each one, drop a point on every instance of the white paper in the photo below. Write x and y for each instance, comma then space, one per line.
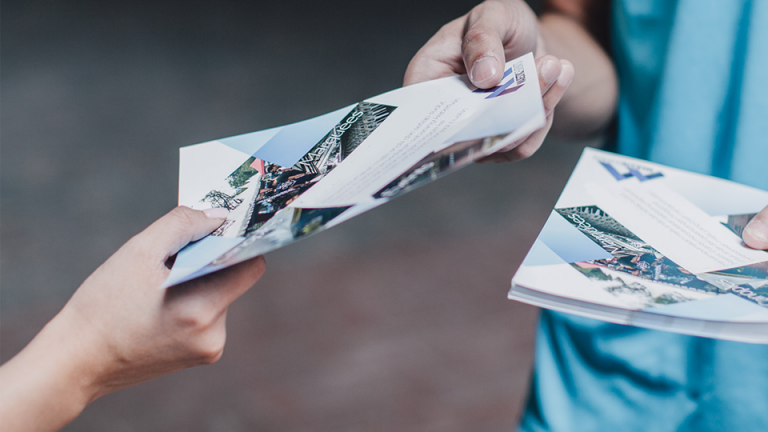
285, 183
675, 227
635, 242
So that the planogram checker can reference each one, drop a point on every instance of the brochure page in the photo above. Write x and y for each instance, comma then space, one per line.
285, 183
634, 242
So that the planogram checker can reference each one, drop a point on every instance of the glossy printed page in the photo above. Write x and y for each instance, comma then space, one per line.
285, 183
638, 236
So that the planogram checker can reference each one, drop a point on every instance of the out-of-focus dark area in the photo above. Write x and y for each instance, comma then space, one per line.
396, 320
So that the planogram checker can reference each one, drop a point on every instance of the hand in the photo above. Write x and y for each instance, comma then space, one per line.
756, 232
120, 328
479, 44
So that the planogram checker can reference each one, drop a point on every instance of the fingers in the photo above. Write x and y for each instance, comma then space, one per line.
548, 70
439, 57
179, 227
477, 44
756, 232
522, 149
234, 281
482, 46
496, 31
213, 293
553, 89
196, 310
557, 87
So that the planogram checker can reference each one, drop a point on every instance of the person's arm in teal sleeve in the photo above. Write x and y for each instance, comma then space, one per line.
120, 328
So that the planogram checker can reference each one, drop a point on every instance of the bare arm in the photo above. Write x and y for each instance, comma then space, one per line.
567, 30
120, 328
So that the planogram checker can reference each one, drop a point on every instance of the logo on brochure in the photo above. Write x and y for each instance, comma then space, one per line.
630, 172
513, 75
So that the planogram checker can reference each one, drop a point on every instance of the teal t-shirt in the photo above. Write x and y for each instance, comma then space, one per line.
693, 77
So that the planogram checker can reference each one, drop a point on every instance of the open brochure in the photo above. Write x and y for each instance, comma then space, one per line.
286, 183
633, 242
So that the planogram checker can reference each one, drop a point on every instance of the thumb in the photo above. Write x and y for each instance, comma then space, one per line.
496, 30
181, 226
483, 50
756, 232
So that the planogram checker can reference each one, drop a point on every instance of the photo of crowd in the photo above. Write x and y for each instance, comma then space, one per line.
631, 254
632, 294
280, 186
258, 193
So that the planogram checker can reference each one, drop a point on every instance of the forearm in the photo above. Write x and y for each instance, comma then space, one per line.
47, 385
590, 102
120, 329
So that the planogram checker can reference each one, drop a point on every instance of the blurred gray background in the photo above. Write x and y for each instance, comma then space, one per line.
396, 320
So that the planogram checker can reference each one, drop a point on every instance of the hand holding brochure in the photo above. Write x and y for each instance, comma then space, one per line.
285, 183
634, 242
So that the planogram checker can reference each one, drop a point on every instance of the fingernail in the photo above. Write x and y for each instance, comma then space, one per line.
565, 78
484, 70
758, 230
549, 71
216, 213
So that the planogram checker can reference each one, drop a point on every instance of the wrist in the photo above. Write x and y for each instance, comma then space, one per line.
80, 357
51, 381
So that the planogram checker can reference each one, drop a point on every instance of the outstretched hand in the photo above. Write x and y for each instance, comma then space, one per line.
478, 44
121, 328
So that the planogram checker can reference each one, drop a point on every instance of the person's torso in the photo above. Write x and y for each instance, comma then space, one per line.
693, 92
692, 95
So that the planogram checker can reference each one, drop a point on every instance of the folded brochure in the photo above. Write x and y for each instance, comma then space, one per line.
285, 183
634, 242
